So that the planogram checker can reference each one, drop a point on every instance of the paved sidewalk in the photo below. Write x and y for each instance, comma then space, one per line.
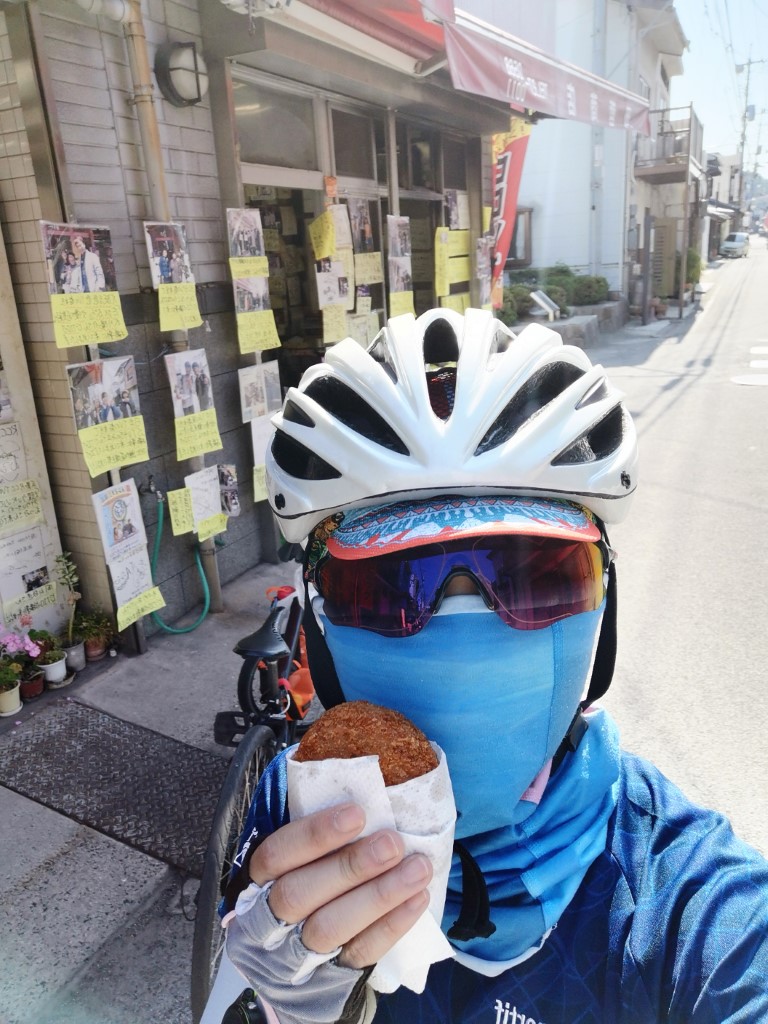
93, 931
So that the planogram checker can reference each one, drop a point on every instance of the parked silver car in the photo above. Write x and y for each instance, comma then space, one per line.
736, 244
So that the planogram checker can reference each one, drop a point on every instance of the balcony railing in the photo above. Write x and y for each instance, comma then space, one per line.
674, 151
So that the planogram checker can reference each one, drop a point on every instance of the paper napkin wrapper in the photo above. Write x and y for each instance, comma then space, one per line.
423, 811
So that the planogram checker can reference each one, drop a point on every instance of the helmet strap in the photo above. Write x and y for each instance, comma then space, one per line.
321, 666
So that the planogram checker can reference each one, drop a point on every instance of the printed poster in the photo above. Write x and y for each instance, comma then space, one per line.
260, 391
118, 513
204, 488
83, 284
25, 578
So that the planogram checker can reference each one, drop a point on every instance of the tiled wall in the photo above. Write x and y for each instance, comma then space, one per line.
87, 64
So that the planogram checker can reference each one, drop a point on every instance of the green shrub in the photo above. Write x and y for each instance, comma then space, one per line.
559, 270
566, 282
508, 312
521, 294
558, 295
692, 269
589, 289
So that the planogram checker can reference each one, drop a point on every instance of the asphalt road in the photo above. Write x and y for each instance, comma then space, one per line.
690, 691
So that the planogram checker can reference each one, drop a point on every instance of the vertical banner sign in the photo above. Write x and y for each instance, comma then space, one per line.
508, 149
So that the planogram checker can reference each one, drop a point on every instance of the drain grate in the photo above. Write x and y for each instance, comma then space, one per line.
135, 785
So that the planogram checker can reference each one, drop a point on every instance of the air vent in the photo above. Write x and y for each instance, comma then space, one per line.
354, 412
598, 443
298, 461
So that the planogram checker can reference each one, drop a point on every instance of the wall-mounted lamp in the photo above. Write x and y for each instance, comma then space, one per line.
181, 74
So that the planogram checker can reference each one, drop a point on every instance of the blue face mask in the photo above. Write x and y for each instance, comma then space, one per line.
497, 700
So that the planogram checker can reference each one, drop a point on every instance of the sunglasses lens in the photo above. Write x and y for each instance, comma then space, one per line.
530, 583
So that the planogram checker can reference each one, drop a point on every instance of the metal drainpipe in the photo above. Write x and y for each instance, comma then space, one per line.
141, 79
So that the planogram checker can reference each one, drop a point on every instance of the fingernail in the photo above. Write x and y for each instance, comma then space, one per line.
349, 818
415, 869
417, 902
384, 848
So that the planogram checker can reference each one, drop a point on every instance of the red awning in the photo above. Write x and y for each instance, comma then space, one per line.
487, 62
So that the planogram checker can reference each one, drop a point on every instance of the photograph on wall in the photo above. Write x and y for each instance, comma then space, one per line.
400, 277
79, 257
245, 234
251, 294
260, 392
118, 513
103, 391
190, 381
168, 253
398, 236
230, 499
13, 460
6, 408
360, 221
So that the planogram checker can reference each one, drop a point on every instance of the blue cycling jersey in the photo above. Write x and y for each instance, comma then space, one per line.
669, 925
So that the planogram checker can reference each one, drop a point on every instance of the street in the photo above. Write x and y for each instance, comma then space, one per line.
689, 692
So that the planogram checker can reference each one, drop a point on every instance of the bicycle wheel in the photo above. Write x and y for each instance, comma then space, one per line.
247, 697
254, 752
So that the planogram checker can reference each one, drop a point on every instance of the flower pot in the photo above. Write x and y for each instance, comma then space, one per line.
56, 672
9, 701
95, 650
32, 686
75, 656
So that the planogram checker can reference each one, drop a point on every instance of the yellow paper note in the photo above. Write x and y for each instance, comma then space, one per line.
19, 506
368, 268
458, 302
441, 261
87, 319
178, 306
322, 234
213, 524
459, 269
260, 492
28, 604
180, 507
248, 266
458, 243
364, 304
117, 443
400, 302
334, 324
131, 611
271, 240
256, 332
487, 213
197, 434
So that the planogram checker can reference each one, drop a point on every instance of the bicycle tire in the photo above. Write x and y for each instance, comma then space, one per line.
246, 697
256, 749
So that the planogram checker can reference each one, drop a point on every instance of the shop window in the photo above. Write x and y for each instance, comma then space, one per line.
454, 164
274, 127
423, 154
353, 144
520, 249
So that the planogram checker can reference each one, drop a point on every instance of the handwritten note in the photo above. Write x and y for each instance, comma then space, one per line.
458, 302
116, 443
178, 306
20, 506
213, 524
197, 434
459, 269
441, 261
27, 604
260, 492
87, 319
180, 507
133, 610
458, 243
256, 332
368, 268
248, 266
334, 324
322, 234
400, 302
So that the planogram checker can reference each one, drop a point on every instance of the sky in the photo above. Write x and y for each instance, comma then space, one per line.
722, 34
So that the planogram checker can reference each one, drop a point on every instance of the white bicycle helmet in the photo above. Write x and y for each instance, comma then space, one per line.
450, 404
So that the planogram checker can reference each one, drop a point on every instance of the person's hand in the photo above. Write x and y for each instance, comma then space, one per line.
361, 895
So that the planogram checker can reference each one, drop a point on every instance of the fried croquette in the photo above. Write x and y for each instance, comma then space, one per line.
359, 728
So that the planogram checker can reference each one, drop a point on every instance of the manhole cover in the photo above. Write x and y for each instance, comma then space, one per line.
135, 785
755, 379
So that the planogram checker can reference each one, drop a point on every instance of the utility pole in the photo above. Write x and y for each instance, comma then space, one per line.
744, 119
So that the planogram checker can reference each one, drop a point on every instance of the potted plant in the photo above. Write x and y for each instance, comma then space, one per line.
10, 673
68, 578
19, 651
54, 664
97, 630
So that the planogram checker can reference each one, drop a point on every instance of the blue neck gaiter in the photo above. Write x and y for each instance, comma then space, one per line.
498, 701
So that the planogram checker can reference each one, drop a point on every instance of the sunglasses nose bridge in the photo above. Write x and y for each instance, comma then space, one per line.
461, 579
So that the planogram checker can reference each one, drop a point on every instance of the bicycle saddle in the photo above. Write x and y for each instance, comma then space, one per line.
267, 641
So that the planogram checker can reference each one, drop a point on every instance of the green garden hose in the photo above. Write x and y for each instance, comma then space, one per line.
206, 590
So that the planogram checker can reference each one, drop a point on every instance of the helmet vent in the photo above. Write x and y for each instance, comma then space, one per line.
441, 385
598, 443
298, 461
354, 412
379, 351
294, 414
537, 392
440, 343
598, 392
501, 342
